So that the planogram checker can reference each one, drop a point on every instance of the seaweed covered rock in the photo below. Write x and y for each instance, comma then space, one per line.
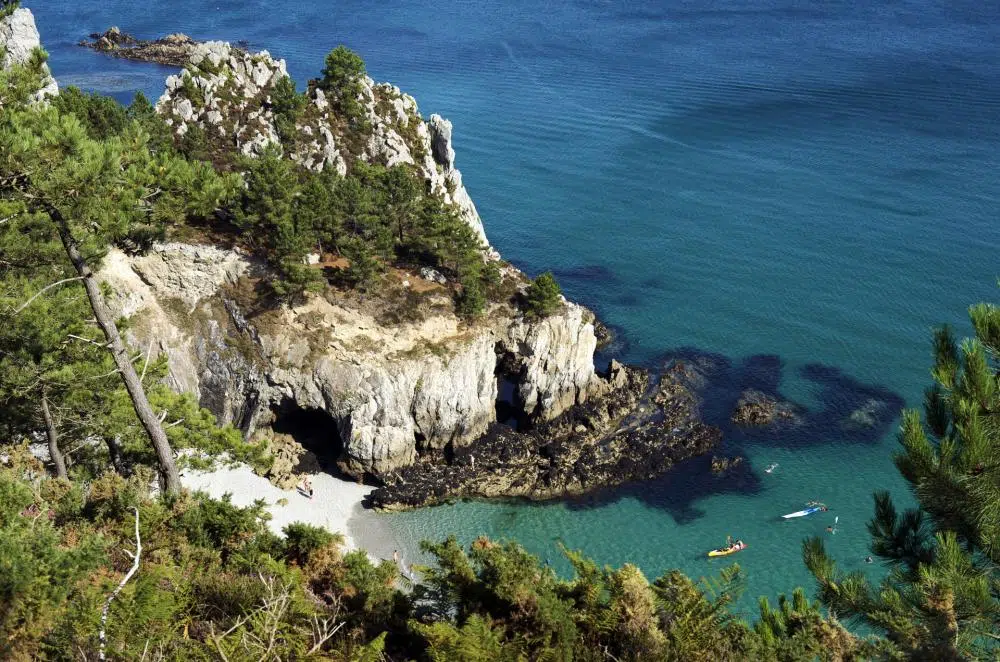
757, 408
632, 431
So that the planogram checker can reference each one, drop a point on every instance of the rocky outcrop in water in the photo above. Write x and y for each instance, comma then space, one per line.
18, 40
757, 408
174, 49
723, 465
628, 431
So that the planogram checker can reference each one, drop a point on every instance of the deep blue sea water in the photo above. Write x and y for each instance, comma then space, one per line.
801, 188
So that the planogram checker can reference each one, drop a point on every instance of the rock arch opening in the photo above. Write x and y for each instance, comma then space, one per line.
509, 406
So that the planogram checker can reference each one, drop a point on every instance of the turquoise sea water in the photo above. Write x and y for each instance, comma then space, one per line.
802, 189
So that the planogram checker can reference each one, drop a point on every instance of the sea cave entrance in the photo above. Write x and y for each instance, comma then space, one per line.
315, 431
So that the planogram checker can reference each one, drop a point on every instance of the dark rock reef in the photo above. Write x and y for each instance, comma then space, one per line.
757, 408
722, 465
174, 49
634, 431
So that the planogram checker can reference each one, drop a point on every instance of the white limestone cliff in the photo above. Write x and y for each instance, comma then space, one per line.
18, 39
390, 391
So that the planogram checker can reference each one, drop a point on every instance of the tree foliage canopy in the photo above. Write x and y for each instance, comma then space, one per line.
941, 599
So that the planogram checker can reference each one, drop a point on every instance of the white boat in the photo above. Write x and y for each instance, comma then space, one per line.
806, 511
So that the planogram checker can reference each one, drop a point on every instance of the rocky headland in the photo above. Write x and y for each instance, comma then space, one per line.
394, 388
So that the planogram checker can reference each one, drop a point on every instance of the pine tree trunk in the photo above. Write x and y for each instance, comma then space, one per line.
115, 453
168, 468
50, 431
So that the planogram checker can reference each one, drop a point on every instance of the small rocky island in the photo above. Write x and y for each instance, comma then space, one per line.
396, 389
173, 49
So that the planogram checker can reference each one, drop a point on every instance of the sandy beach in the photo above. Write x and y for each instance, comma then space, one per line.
335, 506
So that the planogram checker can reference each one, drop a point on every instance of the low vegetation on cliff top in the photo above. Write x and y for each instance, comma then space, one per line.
7, 7
92, 564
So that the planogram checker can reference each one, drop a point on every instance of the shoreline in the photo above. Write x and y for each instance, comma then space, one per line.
336, 505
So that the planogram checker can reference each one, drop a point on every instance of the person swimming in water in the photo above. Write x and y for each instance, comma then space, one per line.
869, 559
771, 467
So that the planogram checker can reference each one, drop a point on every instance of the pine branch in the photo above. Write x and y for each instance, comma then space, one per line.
43, 291
121, 585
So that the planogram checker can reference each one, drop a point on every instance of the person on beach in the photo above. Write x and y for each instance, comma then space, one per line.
395, 557
307, 487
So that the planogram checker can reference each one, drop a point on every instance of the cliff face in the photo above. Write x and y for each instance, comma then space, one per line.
391, 391
18, 39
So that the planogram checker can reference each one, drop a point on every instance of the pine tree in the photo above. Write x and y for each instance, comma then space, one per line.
48, 353
343, 73
942, 597
269, 216
94, 193
543, 296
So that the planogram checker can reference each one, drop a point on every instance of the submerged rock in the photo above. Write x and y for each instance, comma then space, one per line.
721, 465
631, 431
867, 415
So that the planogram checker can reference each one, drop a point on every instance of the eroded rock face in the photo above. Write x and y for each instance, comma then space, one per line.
555, 355
391, 391
18, 39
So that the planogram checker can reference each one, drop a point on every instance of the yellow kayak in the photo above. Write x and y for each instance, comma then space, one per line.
728, 550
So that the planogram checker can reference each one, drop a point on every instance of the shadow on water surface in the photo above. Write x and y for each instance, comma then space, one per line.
851, 412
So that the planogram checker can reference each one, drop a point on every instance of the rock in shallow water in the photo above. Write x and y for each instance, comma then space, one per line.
757, 408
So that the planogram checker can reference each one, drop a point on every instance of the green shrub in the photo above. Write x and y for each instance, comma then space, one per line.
8, 7
220, 525
542, 298
191, 90
102, 116
471, 301
302, 540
